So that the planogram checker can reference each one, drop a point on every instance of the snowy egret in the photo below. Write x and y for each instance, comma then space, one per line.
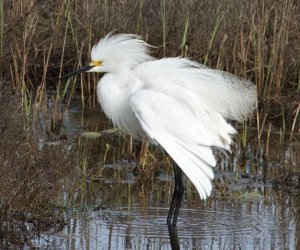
178, 103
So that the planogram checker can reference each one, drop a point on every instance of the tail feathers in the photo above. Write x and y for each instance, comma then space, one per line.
192, 163
194, 171
199, 153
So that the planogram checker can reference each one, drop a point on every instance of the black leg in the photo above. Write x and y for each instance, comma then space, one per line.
173, 237
177, 196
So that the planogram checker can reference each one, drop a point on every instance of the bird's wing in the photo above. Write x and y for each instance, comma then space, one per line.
228, 95
186, 135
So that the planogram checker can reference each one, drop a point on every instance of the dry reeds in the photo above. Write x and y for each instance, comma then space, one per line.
41, 40
32, 176
257, 40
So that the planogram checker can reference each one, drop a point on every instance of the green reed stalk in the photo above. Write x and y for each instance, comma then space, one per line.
213, 36
27, 97
298, 87
1, 33
164, 25
244, 134
184, 46
294, 121
140, 17
68, 15
283, 128
268, 139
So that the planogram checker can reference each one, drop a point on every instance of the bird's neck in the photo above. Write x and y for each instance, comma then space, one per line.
113, 91
123, 72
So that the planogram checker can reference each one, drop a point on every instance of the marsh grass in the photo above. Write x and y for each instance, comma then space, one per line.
184, 42
213, 36
257, 40
42, 40
33, 178
1, 33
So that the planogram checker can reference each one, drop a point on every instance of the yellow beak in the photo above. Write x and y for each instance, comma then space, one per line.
82, 69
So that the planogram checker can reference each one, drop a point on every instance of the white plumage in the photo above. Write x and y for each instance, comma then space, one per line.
176, 102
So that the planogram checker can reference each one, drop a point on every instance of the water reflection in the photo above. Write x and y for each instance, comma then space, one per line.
267, 221
173, 237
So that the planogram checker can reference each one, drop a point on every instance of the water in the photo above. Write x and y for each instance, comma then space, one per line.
124, 212
129, 218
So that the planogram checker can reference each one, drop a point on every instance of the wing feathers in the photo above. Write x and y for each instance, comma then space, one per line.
188, 148
201, 152
196, 170
223, 92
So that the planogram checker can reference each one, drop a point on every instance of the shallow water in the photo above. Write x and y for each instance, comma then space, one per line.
132, 219
125, 213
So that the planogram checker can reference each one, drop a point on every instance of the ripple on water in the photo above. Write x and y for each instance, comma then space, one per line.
238, 225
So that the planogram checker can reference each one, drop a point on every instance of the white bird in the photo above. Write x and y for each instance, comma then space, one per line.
179, 104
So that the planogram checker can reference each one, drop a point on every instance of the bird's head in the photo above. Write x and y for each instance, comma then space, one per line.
114, 53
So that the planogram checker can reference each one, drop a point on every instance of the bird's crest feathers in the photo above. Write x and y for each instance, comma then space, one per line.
123, 50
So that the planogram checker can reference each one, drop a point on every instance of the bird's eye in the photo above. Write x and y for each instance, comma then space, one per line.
96, 63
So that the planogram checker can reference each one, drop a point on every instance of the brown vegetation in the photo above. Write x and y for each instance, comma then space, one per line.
41, 40
257, 39
32, 178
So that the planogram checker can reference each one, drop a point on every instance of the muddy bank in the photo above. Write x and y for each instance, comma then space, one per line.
32, 177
